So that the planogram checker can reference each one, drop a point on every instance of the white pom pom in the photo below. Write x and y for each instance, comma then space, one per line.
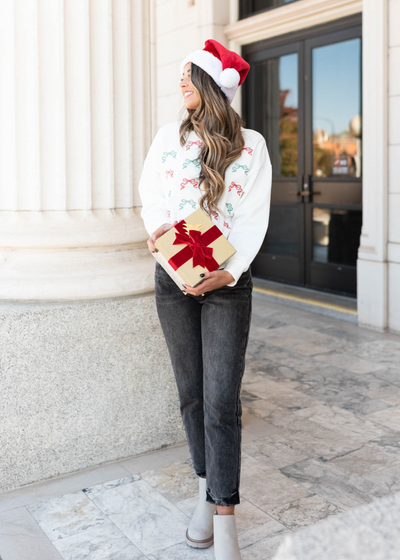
229, 78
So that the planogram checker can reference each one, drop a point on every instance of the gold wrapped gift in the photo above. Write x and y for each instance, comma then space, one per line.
191, 247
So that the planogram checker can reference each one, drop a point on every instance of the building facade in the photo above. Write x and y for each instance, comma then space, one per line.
85, 86
324, 91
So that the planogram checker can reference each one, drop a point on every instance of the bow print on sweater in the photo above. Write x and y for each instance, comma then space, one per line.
238, 188
191, 181
188, 161
238, 166
166, 154
229, 207
184, 202
198, 143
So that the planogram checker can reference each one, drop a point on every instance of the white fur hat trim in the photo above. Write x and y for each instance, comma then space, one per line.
213, 66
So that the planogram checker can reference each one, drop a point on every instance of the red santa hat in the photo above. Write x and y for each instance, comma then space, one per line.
227, 68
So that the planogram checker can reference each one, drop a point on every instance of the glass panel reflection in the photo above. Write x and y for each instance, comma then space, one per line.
277, 80
283, 231
260, 5
336, 235
249, 7
336, 101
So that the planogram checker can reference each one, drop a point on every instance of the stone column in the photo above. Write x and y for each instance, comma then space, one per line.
75, 113
81, 382
372, 269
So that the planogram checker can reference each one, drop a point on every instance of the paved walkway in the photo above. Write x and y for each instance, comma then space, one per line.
321, 417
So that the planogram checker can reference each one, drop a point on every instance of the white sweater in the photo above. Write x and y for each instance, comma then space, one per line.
169, 191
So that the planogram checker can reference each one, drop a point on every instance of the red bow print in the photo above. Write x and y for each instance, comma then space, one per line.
198, 143
186, 181
237, 187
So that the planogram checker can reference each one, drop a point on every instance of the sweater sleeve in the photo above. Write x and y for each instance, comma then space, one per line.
154, 211
251, 217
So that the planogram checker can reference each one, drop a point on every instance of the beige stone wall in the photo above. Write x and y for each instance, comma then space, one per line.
182, 26
81, 384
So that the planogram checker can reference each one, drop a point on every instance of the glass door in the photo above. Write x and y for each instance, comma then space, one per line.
275, 95
333, 160
305, 98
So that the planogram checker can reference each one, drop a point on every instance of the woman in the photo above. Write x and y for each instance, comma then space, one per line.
209, 160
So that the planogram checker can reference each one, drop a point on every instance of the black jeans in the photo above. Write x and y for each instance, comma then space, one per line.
207, 339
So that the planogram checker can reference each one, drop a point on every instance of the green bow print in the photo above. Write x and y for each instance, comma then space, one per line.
169, 194
229, 207
183, 202
189, 161
166, 154
238, 166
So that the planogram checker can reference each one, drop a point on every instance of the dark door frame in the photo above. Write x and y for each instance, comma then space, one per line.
293, 268
327, 274
302, 42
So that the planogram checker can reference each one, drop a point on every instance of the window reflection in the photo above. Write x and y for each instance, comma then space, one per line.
336, 235
250, 7
283, 232
277, 79
336, 101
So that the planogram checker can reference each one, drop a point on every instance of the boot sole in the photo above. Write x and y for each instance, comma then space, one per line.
206, 543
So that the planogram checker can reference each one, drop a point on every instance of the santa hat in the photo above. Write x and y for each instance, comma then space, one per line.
227, 68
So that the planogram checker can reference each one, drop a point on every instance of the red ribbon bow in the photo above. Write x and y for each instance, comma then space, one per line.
196, 247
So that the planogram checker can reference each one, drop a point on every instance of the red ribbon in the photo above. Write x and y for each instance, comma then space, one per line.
196, 247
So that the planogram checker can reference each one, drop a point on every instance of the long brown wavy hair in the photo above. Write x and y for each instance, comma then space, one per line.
221, 136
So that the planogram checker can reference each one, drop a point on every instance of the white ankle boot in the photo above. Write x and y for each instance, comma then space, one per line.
226, 546
200, 531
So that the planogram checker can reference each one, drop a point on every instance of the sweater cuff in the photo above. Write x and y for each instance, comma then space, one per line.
236, 267
155, 221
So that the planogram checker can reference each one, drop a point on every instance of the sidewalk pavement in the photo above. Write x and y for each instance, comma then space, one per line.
321, 427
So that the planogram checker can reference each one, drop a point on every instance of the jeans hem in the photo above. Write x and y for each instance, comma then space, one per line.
201, 474
231, 501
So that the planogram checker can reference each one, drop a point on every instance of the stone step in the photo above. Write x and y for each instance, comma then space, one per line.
368, 532
331, 305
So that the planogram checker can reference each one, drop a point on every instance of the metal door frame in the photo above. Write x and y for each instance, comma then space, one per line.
302, 43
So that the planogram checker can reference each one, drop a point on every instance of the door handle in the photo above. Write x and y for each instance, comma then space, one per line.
306, 189
301, 193
304, 193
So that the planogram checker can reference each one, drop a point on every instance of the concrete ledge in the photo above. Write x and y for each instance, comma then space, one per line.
81, 384
370, 532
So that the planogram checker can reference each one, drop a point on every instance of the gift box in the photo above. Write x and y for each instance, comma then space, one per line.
191, 247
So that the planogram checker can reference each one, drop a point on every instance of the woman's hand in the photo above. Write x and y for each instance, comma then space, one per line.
212, 281
158, 233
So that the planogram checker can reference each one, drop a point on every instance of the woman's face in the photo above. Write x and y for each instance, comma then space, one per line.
190, 95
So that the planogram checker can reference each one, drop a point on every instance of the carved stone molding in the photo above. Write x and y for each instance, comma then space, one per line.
291, 17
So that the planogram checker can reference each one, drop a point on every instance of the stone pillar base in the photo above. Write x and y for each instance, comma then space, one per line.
372, 294
74, 255
82, 383
59, 275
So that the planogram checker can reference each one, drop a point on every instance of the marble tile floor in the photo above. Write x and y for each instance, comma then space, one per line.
321, 435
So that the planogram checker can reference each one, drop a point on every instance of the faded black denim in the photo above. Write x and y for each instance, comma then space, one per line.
207, 338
